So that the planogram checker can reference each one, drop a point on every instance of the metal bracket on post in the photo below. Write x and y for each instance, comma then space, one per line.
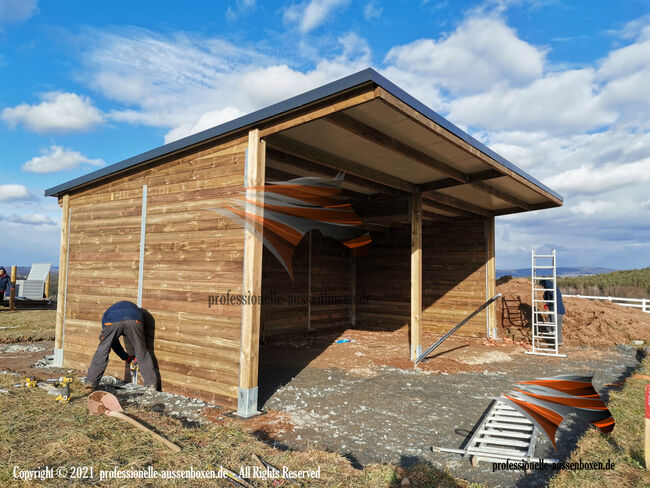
58, 358
247, 403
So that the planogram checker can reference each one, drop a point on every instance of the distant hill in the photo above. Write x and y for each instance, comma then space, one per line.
561, 271
633, 283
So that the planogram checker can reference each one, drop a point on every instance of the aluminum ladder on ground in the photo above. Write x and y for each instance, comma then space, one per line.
504, 434
544, 322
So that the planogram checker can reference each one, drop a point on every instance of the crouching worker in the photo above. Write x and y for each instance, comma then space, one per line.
121, 319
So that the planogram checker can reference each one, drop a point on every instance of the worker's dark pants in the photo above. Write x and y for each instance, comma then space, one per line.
135, 332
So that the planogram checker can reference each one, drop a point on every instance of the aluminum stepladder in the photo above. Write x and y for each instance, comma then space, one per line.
503, 434
545, 341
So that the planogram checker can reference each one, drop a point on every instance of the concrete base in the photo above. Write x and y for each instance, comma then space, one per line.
247, 403
58, 358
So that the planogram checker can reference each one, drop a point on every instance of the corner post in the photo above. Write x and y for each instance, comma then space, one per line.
252, 282
12, 293
490, 271
416, 274
63, 279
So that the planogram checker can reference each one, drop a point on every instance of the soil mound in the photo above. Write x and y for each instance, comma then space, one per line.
586, 323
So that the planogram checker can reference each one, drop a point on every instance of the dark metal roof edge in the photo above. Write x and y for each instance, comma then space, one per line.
340, 85
311, 96
440, 120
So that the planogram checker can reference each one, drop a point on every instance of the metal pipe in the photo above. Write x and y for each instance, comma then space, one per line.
463, 322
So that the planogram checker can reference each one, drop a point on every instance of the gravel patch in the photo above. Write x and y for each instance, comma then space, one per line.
396, 415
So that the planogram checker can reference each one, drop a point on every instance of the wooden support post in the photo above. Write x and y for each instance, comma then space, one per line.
416, 275
490, 273
252, 284
47, 287
63, 275
12, 293
647, 427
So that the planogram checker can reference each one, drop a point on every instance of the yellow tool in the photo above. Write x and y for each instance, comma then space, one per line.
135, 369
30, 382
65, 396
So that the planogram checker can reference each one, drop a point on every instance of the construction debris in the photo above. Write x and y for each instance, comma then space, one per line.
102, 402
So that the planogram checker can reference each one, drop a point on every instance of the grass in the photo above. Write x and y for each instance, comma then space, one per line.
624, 446
32, 325
35, 431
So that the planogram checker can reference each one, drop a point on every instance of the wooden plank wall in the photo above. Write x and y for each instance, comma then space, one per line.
190, 253
331, 275
453, 277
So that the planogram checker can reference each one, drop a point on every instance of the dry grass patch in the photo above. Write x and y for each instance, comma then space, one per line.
26, 325
624, 446
35, 431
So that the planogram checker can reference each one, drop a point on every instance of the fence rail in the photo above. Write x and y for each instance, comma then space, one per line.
641, 303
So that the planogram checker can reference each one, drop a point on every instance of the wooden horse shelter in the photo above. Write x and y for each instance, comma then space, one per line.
143, 230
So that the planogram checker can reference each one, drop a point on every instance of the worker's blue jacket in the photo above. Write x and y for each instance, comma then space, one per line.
122, 311
549, 296
5, 283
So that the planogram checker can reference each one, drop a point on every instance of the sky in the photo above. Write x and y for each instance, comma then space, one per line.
560, 88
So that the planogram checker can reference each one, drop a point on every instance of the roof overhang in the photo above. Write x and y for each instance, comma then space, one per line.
385, 141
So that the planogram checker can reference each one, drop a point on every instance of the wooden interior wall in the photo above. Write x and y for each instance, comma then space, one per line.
453, 277
330, 275
190, 253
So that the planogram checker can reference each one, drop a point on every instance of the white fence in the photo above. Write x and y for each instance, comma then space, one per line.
641, 303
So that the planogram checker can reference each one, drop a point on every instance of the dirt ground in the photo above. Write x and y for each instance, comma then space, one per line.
364, 398
586, 323
370, 410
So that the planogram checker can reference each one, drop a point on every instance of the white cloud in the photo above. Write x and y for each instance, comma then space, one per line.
17, 10
182, 83
555, 103
206, 121
371, 11
240, 7
31, 219
481, 52
58, 158
592, 179
12, 192
309, 15
58, 112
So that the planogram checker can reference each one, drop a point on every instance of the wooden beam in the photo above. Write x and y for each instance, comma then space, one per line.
456, 203
252, 286
449, 182
532, 206
322, 109
416, 275
306, 167
500, 194
63, 279
336, 162
490, 275
395, 103
371, 134
432, 206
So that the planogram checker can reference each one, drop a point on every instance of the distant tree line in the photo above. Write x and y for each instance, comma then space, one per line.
632, 283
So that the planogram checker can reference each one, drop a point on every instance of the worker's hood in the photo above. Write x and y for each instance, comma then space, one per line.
1, 268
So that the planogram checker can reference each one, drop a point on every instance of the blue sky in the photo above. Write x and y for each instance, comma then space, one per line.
561, 88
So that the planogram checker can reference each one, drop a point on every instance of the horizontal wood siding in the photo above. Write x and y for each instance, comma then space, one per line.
287, 312
453, 277
190, 254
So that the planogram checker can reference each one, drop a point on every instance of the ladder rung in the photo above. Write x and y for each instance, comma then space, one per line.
543, 267
495, 441
505, 433
544, 255
543, 289
548, 278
